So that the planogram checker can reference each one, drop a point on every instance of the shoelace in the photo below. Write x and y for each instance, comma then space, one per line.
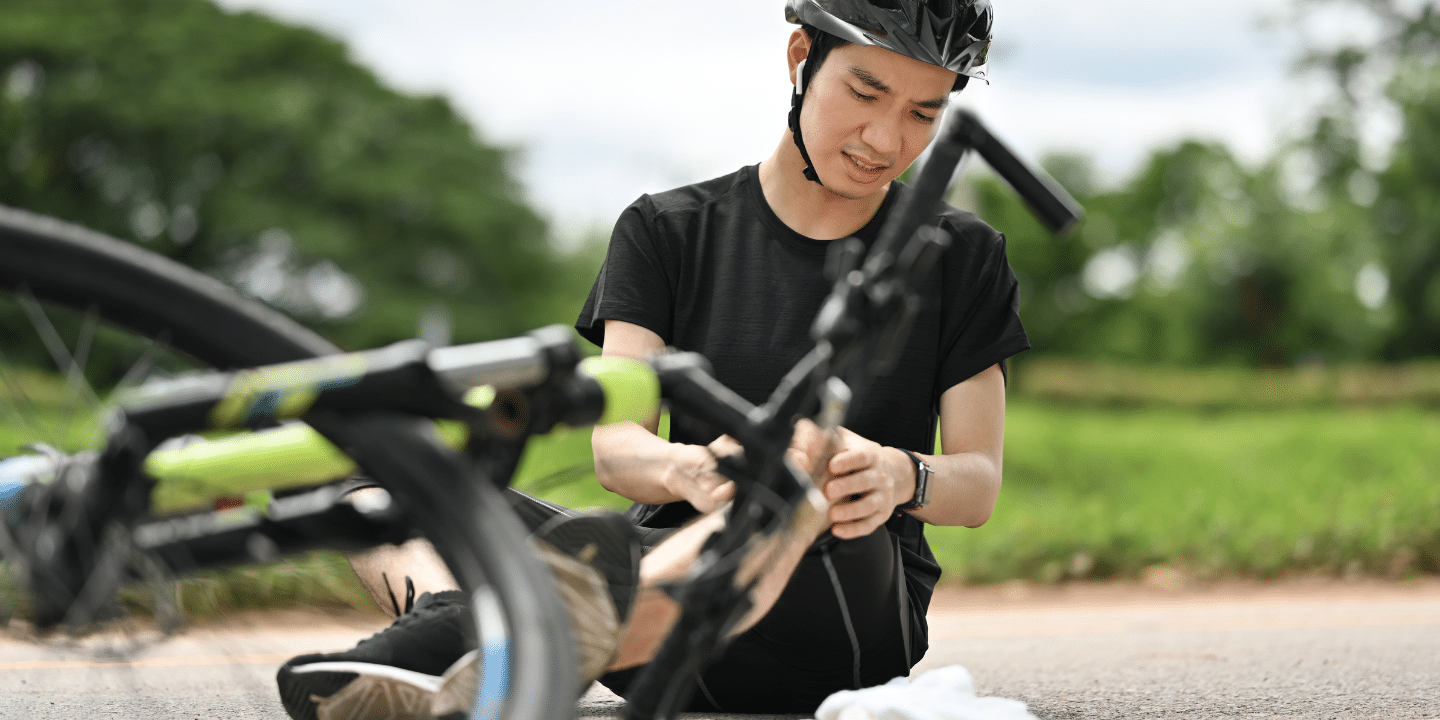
409, 595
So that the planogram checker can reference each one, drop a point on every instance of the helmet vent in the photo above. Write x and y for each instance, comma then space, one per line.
949, 33
941, 8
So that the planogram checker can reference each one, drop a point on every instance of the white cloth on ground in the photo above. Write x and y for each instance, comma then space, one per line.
946, 693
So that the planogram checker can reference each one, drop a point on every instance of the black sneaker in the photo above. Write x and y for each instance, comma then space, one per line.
425, 665
392, 674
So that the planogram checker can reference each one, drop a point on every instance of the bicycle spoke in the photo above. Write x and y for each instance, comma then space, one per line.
140, 370
78, 379
86, 340
50, 337
16, 393
71, 341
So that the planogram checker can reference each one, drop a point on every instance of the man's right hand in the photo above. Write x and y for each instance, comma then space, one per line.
693, 477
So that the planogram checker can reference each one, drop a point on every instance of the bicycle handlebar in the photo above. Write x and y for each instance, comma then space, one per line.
1051, 204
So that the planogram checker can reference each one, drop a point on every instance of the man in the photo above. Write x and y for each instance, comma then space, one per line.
733, 268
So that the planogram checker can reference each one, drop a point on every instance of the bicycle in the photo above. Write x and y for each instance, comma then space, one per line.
82, 523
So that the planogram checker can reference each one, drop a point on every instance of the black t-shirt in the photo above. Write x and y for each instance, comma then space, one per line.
711, 269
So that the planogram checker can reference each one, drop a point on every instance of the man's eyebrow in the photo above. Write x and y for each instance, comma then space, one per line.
869, 79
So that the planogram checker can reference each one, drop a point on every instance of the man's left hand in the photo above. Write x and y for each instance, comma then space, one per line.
867, 480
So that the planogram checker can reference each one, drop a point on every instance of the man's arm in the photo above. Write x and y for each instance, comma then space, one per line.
871, 480
972, 436
635, 463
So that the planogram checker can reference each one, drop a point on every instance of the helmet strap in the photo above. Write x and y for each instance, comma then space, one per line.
796, 100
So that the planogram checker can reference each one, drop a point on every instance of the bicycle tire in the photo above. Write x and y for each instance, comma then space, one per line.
151, 296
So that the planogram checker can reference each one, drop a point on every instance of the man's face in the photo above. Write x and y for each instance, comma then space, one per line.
867, 115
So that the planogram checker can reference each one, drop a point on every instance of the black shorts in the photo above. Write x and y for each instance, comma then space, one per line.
843, 622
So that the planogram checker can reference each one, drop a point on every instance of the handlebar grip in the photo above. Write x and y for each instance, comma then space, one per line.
632, 390
1051, 204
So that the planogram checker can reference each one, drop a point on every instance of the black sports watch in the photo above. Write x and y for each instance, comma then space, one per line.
923, 471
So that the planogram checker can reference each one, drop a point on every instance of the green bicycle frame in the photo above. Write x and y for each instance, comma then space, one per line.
294, 455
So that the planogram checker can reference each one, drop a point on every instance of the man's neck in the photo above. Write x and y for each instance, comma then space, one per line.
807, 207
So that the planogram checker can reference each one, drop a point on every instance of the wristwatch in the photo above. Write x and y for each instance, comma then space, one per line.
923, 471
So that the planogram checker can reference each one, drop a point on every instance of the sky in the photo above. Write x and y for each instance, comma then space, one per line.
605, 101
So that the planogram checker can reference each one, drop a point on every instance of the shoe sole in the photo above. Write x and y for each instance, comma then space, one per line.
356, 691
606, 542
458, 689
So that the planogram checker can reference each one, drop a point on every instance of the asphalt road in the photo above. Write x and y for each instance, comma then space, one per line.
1306, 650
1318, 649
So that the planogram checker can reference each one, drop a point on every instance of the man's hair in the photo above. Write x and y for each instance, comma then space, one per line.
821, 43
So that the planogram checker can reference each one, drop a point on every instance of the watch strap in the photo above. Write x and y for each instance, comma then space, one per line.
923, 471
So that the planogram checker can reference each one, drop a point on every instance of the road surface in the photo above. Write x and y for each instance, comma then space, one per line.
1303, 649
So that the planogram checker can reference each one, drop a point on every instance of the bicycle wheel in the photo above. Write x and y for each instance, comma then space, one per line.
134, 315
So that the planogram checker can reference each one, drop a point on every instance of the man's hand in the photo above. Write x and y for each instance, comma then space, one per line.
810, 449
692, 475
867, 481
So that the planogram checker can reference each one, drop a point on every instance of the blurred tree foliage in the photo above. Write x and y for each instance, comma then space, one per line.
1329, 251
260, 153
1399, 194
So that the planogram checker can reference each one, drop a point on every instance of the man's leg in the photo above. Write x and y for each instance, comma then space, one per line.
768, 561
807, 647
396, 672
393, 572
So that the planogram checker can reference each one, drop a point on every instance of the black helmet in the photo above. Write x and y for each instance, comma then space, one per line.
953, 34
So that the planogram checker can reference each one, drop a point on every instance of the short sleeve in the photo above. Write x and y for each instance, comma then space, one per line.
635, 283
982, 308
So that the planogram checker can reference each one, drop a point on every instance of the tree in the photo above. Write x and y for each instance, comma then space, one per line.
258, 152
1396, 193
1196, 260
1328, 251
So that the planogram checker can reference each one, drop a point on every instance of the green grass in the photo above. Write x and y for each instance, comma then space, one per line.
1105, 493
1090, 492
1097, 493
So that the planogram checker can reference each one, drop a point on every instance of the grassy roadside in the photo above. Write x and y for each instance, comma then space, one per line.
1107, 493
1094, 492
